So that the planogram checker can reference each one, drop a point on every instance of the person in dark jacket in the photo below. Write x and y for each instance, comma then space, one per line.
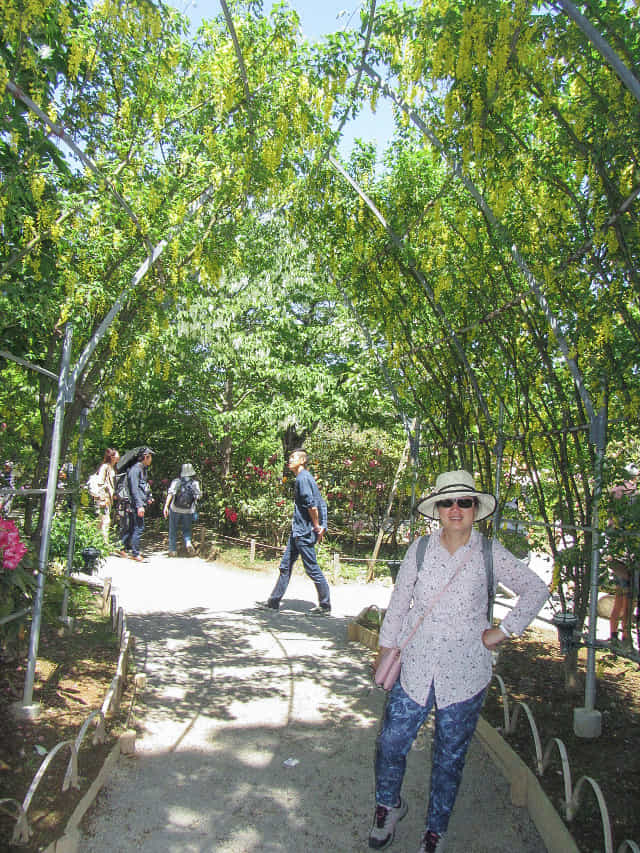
140, 494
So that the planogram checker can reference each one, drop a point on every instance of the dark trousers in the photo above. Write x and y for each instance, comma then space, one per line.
131, 537
298, 546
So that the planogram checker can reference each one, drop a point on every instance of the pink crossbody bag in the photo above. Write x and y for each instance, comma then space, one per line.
388, 669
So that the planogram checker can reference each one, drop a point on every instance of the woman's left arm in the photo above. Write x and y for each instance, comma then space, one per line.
531, 590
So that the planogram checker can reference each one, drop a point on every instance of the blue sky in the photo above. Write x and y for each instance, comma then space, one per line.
317, 18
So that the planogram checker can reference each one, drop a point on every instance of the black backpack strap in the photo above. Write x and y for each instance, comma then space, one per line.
487, 553
421, 551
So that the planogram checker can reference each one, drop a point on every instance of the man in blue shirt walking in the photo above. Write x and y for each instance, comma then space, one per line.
308, 527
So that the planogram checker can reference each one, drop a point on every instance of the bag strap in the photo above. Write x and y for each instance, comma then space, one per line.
421, 551
487, 553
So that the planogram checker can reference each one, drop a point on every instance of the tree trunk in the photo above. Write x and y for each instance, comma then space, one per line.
402, 464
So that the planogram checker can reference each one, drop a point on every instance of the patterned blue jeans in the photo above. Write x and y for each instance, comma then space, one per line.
454, 728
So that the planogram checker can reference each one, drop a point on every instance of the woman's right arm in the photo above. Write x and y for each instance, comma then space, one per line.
400, 600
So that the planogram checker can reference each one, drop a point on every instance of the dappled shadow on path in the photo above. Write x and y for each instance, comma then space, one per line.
257, 733
248, 663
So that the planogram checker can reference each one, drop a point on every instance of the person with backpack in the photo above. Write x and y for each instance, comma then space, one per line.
180, 508
139, 495
102, 486
438, 616
308, 527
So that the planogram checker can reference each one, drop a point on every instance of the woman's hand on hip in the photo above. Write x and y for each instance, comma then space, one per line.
492, 637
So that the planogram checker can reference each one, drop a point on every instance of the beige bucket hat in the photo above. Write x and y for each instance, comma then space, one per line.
456, 484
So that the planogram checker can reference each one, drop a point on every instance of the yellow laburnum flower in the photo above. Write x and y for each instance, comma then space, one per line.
38, 184
612, 241
107, 422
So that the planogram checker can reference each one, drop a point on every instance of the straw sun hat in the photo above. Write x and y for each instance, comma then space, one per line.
456, 484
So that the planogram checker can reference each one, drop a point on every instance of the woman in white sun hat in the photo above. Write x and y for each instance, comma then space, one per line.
446, 665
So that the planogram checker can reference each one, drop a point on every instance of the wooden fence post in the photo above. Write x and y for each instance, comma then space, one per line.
106, 592
252, 551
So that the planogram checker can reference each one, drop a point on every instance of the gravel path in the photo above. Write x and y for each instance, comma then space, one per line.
258, 728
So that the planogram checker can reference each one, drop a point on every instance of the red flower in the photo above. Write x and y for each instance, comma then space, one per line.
231, 514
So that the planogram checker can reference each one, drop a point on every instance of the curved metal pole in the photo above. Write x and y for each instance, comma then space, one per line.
83, 423
64, 395
58, 131
602, 46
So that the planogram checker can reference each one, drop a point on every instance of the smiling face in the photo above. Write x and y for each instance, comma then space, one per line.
455, 518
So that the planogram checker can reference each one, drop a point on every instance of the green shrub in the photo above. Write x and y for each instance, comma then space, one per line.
88, 535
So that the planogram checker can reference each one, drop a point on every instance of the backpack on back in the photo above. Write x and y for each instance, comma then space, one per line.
185, 494
122, 493
95, 488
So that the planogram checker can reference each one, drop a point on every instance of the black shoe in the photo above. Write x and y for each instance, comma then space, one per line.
268, 605
319, 611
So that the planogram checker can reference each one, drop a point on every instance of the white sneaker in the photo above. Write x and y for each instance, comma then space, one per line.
385, 819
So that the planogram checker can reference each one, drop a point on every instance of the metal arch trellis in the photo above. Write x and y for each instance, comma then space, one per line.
601, 44
154, 252
67, 381
422, 280
597, 420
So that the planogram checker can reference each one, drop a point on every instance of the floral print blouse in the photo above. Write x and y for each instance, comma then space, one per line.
447, 648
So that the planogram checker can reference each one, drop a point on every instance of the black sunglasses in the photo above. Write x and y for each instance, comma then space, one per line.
463, 503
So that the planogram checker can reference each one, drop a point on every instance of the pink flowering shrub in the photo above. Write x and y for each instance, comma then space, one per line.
11, 546
16, 579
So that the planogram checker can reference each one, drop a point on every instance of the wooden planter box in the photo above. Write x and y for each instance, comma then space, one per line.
357, 633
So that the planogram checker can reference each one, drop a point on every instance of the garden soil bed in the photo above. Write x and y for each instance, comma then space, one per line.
73, 674
532, 668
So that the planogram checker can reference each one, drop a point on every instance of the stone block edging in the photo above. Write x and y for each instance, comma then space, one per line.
526, 791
